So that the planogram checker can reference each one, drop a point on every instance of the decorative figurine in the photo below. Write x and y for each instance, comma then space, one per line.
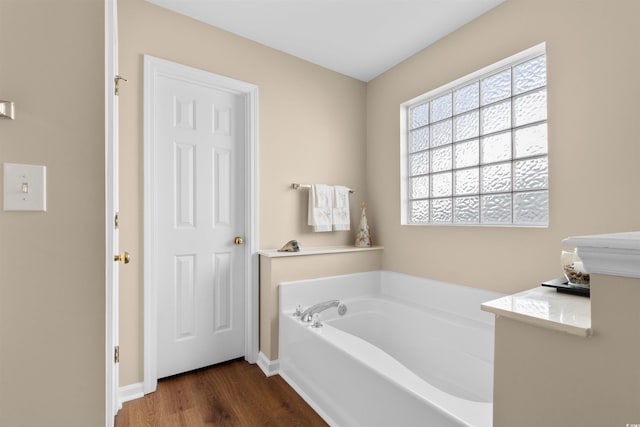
363, 237
290, 246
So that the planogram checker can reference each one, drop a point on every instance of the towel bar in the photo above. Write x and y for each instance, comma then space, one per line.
295, 186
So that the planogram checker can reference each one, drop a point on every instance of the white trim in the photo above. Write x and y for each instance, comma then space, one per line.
317, 250
131, 392
252, 296
323, 414
153, 67
610, 261
112, 403
615, 254
269, 367
150, 298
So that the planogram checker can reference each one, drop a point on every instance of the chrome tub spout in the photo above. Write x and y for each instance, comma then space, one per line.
307, 315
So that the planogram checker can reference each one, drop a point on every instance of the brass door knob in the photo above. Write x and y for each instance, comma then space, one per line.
123, 257
238, 240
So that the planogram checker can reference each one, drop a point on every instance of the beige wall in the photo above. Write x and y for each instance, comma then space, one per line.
52, 280
52, 264
311, 129
570, 380
593, 94
308, 114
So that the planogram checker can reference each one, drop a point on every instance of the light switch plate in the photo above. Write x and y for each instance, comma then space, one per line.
25, 187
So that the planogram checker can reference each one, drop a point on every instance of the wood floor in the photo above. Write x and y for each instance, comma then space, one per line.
234, 393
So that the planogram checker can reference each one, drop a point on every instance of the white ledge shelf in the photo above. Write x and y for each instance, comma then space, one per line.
544, 307
316, 250
616, 254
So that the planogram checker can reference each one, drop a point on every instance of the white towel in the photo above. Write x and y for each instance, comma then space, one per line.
320, 207
341, 215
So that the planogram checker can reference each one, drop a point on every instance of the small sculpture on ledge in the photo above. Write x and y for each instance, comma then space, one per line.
290, 246
363, 237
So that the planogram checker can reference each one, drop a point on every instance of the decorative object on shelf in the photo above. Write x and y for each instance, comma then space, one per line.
363, 237
290, 246
573, 268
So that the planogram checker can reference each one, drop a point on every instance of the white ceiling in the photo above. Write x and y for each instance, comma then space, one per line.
359, 38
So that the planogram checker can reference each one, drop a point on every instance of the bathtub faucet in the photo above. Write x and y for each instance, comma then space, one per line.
317, 308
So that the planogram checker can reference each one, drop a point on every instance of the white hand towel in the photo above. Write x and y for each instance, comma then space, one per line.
341, 215
320, 207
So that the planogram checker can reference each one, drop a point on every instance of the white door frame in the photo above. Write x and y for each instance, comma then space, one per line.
153, 68
112, 403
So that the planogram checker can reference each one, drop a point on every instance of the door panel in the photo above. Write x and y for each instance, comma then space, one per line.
200, 208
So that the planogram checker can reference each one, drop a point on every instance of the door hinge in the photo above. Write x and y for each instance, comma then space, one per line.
116, 220
116, 354
116, 80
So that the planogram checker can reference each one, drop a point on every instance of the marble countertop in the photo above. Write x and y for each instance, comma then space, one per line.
546, 308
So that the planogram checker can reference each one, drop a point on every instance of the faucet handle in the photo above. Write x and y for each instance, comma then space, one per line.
298, 311
316, 321
342, 309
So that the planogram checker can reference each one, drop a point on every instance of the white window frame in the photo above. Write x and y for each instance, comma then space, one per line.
405, 107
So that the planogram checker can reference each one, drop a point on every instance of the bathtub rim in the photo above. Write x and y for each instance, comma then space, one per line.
395, 285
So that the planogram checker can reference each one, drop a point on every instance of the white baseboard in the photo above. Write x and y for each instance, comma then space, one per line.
130, 392
309, 400
136, 390
269, 367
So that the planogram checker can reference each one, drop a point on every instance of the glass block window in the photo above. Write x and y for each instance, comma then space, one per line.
474, 152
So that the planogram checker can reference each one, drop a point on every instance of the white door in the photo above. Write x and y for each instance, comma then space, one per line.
199, 217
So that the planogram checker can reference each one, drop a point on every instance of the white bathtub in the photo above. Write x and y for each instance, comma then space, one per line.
409, 351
